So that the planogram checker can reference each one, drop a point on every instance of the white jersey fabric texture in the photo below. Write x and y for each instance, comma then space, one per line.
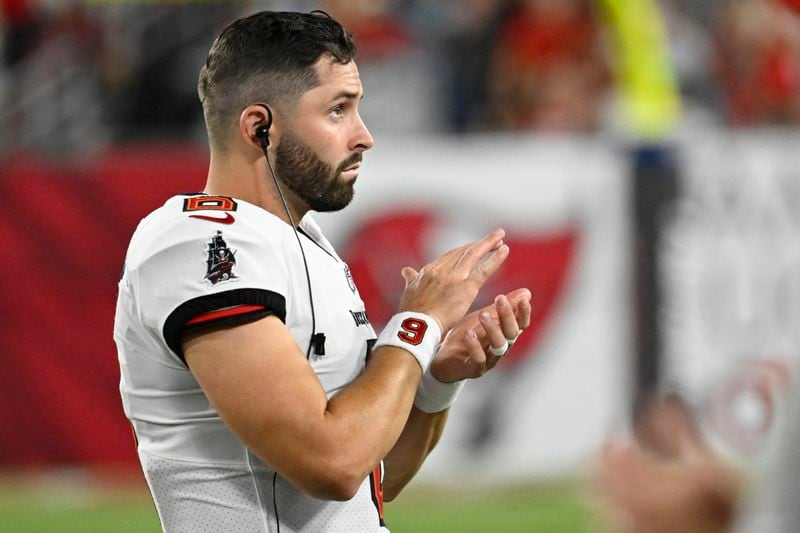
199, 260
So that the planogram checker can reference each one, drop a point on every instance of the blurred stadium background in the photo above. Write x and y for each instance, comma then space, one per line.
642, 154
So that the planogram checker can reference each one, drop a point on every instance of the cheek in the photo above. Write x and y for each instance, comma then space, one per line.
327, 140
331, 154
333, 147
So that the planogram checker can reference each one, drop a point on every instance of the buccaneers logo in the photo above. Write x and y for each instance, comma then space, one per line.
220, 260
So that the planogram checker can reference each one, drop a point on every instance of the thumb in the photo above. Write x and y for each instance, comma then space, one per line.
409, 274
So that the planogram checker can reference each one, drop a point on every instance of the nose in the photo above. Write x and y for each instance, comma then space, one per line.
361, 141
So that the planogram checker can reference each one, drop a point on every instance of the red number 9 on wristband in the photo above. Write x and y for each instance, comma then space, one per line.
413, 331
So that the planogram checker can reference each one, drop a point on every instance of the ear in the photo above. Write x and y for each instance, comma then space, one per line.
252, 118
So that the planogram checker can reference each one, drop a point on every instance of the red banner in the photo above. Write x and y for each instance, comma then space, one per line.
65, 232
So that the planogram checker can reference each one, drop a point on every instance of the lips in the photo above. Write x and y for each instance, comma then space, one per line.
352, 163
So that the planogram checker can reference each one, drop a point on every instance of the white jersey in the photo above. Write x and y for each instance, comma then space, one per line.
201, 260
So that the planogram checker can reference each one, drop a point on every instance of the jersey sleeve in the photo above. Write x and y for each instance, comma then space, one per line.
194, 274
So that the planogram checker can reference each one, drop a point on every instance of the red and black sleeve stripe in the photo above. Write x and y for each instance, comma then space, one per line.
233, 307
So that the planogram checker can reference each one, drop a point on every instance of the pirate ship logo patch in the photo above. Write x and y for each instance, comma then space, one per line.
220, 260
349, 276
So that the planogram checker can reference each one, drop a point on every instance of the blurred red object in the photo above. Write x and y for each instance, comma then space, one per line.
758, 62
794, 4
15, 11
379, 33
65, 229
549, 71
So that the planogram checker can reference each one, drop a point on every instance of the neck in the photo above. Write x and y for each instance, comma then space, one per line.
247, 177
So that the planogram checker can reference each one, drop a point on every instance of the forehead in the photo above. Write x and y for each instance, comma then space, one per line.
335, 78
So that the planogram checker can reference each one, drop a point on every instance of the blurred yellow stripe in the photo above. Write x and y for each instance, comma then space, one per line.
643, 67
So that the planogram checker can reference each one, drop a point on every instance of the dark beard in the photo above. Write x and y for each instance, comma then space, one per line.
311, 179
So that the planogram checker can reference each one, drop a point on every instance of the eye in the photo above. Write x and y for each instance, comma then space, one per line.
337, 111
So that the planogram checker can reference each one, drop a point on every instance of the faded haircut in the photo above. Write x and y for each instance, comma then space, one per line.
266, 57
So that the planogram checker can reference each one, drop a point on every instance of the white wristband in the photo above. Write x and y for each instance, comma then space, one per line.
434, 396
416, 333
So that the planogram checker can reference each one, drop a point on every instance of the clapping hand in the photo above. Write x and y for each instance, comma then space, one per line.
478, 341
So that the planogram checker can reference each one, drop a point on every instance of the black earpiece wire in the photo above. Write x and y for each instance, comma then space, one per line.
317, 341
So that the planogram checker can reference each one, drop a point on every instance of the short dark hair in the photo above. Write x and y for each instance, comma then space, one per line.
266, 57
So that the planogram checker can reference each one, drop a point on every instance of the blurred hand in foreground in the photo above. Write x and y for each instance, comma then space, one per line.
666, 479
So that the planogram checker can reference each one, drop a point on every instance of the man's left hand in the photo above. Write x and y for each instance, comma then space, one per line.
469, 349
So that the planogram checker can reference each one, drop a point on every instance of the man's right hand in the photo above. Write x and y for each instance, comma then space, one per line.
446, 287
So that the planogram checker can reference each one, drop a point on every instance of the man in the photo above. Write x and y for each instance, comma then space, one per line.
259, 395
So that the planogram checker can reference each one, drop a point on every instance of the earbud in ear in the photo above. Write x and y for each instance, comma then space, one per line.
262, 132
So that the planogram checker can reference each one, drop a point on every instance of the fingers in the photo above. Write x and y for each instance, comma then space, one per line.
489, 265
524, 315
503, 321
508, 321
475, 355
493, 330
477, 260
520, 300
517, 295
465, 352
447, 287
473, 254
503, 326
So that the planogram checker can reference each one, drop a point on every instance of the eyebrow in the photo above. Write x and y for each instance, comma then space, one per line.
347, 94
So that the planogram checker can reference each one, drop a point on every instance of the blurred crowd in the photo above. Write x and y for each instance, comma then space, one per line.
82, 75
